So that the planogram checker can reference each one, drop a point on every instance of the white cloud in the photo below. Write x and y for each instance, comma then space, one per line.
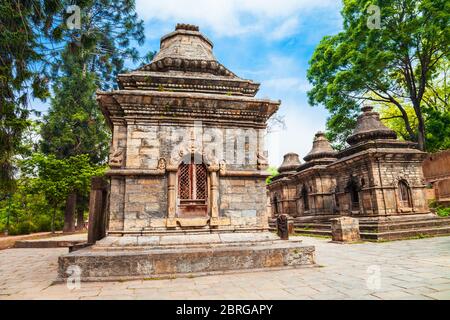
234, 17
302, 123
285, 29
290, 84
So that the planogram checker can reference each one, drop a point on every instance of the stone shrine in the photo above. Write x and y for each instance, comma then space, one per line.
377, 179
187, 171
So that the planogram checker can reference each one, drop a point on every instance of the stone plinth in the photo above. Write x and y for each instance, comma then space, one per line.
161, 256
345, 229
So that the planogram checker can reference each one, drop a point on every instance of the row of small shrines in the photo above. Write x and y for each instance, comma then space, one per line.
376, 175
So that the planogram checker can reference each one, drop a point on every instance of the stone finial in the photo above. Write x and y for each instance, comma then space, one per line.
185, 26
370, 127
366, 108
290, 163
321, 149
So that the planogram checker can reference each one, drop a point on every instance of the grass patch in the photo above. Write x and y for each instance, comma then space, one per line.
299, 234
160, 278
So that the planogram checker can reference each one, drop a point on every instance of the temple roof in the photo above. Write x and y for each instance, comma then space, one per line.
321, 149
290, 163
185, 62
370, 127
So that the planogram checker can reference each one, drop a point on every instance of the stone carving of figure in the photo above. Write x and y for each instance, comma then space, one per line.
116, 157
222, 167
261, 161
162, 164
282, 227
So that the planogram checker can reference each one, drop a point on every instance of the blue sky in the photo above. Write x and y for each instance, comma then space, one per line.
267, 41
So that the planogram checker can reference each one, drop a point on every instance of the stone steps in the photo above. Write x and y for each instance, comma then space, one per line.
402, 234
395, 228
385, 227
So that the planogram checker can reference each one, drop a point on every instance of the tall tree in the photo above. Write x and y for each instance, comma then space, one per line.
94, 53
74, 126
395, 63
23, 24
106, 37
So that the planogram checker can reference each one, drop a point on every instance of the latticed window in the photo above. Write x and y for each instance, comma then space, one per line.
192, 181
405, 198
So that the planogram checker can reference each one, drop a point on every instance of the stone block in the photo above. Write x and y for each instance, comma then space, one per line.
345, 229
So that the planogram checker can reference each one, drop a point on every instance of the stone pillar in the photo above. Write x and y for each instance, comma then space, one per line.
97, 210
345, 229
214, 199
171, 199
282, 227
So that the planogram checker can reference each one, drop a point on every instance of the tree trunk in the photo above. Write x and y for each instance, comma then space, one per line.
80, 218
53, 219
69, 213
420, 126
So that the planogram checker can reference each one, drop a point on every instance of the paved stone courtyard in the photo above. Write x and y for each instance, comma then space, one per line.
410, 269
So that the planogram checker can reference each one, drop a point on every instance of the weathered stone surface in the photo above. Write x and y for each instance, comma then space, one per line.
345, 229
109, 265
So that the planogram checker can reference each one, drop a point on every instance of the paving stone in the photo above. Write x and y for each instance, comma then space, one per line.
441, 295
29, 273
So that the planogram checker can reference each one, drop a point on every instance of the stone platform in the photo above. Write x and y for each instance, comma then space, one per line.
60, 241
165, 256
378, 228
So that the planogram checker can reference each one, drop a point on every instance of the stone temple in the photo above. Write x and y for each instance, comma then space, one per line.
187, 191
377, 179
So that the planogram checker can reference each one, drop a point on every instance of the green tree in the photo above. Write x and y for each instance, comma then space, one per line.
23, 24
74, 124
273, 171
94, 54
436, 112
105, 39
57, 178
392, 64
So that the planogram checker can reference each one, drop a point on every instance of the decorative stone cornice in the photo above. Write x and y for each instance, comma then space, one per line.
159, 81
144, 106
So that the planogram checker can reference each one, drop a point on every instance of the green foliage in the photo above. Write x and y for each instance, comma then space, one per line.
27, 212
48, 181
74, 124
395, 64
22, 24
438, 130
273, 173
106, 39
443, 211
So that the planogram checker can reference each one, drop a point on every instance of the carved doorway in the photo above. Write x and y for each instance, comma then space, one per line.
192, 190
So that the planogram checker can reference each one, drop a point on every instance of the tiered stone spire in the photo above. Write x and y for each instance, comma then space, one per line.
186, 63
290, 163
370, 127
321, 149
